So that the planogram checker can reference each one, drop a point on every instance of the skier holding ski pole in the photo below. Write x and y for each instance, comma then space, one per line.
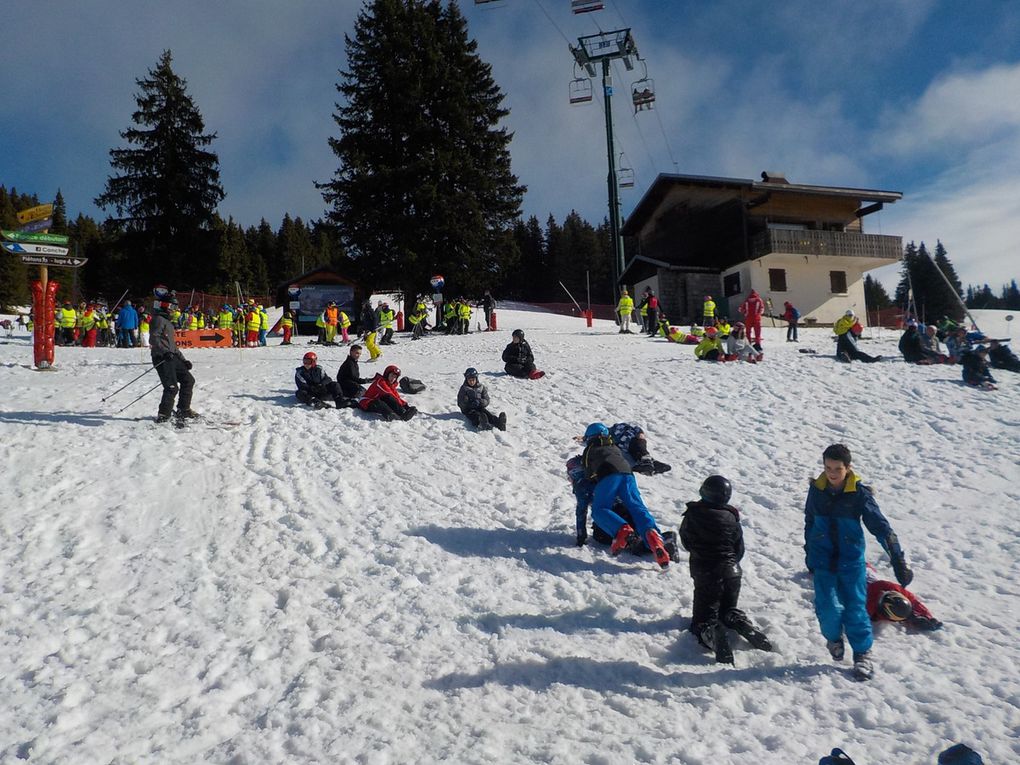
107, 398
169, 362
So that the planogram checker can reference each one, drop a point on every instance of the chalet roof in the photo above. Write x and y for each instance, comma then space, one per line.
771, 183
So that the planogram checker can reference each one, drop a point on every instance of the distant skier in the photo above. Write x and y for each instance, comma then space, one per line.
518, 359
792, 316
625, 308
753, 308
314, 385
605, 465
837, 503
171, 366
711, 532
473, 400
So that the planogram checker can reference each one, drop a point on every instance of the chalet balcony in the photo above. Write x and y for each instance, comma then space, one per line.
838, 243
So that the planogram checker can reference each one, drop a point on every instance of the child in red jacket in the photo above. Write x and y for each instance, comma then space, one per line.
382, 397
892, 602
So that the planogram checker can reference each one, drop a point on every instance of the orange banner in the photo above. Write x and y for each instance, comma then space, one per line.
203, 338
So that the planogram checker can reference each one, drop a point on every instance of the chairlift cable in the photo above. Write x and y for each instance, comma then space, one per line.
665, 138
551, 21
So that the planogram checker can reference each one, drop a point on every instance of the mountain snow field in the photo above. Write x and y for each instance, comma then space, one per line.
275, 584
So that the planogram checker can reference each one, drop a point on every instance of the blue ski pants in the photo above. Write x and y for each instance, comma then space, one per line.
624, 486
841, 606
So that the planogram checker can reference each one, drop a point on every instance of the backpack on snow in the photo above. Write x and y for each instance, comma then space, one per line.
410, 385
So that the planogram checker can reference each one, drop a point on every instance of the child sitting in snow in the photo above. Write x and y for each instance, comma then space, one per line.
738, 347
710, 348
975, 369
711, 532
473, 400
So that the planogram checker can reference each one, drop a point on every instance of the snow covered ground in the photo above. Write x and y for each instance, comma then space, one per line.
320, 586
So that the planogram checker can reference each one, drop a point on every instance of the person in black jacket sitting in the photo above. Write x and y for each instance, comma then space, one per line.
711, 533
352, 384
314, 385
1001, 357
518, 359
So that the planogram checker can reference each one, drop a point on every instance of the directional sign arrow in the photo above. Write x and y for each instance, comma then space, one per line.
35, 213
54, 260
28, 248
215, 337
25, 236
37, 225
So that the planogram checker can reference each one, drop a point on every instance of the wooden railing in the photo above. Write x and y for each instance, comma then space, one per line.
838, 243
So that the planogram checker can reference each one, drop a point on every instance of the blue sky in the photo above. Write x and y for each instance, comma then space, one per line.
917, 96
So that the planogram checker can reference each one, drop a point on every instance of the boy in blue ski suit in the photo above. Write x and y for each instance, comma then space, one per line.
608, 468
834, 543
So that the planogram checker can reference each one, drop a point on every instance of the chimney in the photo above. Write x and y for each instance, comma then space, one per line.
769, 176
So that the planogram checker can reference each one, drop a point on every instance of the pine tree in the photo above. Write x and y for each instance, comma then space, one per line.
168, 185
875, 296
904, 295
424, 183
14, 278
233, 262
1011, 296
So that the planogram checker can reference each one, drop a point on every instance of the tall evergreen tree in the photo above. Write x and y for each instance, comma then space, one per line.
904, 295
13, 273
167, 187
424, 183
875, 296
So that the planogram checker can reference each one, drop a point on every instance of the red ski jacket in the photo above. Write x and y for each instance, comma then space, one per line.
877, 587
379, 387
753, 307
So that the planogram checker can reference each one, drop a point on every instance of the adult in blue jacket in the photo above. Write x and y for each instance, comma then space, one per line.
837, 504
127, 325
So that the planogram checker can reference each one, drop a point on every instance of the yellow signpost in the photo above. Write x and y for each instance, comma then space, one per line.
35, 213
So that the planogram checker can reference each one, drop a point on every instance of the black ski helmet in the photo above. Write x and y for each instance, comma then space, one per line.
470, 372
895, 606
716, 490
517, 333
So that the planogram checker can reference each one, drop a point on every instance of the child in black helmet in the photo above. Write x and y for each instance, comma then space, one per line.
518, 359
473, 400
711, 533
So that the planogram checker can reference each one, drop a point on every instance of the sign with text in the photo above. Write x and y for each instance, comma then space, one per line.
203, 338
25, 236
27, 248
54, 260
35, 213
37, 225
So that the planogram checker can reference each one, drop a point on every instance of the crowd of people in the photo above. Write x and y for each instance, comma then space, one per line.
951, 343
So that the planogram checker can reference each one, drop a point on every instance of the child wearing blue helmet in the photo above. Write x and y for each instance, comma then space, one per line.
608, 468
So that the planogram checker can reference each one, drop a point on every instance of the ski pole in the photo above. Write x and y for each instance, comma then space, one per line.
132, 382
150, 390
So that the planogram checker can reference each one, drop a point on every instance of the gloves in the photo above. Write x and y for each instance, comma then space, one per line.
582, 538
904, 574
166, 358
924, 623
187, 364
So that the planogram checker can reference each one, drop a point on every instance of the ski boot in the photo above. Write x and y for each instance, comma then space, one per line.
654, 542
863, 668
318, 403
836, 649
163, 417
669, 542
186, 414
714, 638
644, 466
501, 421
624, 538
743, 627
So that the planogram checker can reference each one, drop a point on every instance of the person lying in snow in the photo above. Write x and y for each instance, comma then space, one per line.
518, 359
888, 601
584, 490
711, 533
606, 468
1001, 357
473, 400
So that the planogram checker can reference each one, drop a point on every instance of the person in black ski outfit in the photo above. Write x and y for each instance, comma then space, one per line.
314, 385
1001, 357
711, 533
975, 368
171, 366
473, 400
518, 359
352, 384
488, 304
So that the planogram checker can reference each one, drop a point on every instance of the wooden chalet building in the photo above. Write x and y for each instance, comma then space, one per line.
699, 235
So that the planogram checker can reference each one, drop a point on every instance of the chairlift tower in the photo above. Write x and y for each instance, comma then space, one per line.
605, 48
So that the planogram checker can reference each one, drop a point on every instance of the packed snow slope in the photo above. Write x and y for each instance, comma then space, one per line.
321, 586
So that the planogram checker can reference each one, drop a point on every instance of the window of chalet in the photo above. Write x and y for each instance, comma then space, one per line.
777, 280
731, 284
837, 282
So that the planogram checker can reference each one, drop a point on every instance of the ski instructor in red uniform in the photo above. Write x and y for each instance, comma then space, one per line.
752, 309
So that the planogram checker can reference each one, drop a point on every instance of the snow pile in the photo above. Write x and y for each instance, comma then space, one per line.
320, 586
